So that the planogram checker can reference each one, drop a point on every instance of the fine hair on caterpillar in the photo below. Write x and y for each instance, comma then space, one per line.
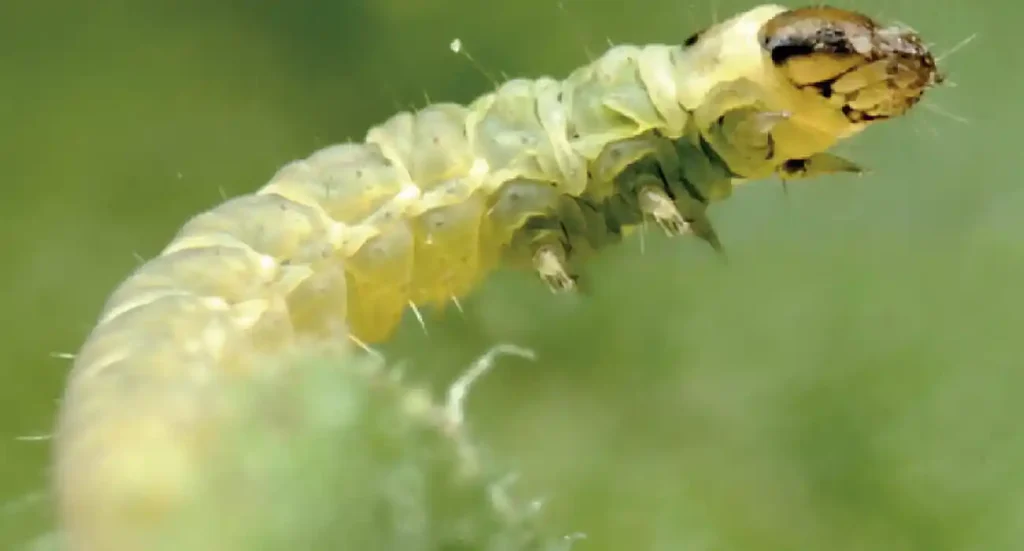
539, 174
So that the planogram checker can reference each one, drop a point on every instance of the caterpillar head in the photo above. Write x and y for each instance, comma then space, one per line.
868, 71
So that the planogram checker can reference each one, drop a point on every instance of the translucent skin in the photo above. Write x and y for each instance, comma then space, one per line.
537, 173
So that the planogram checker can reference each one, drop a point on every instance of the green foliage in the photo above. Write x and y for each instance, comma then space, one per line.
339, 454
819, 397
336, 452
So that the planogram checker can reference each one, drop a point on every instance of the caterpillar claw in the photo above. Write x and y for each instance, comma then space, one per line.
559, 282
703, 229
656, 203
550, 265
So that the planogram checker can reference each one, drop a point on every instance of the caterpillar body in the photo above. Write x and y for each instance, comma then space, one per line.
538, 173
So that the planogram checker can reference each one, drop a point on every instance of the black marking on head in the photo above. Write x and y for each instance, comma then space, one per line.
816, 46
816, 30
824, 87
782, 52
828, 40
855, 115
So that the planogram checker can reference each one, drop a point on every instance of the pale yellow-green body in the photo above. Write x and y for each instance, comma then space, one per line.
340, 244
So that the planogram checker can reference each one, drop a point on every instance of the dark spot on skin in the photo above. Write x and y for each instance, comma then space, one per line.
824, 88
794, 166
694, 38
771, 148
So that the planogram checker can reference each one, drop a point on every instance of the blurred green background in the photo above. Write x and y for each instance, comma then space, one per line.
850, 381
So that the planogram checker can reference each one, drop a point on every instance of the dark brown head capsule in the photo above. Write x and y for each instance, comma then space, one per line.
868, 71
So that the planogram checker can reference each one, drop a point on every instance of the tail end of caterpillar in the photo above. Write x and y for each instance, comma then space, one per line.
869, 71
184, 472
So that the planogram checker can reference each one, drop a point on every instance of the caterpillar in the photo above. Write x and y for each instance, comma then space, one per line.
538, 174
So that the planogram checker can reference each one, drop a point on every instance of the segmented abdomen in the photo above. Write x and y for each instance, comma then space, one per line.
342, 242
538, 173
